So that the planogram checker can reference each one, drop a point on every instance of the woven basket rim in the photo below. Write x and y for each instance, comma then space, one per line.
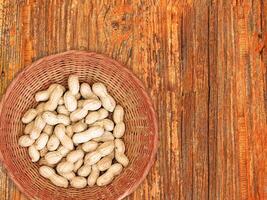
122, 67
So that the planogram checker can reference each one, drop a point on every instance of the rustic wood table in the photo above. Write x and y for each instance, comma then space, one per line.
203, 63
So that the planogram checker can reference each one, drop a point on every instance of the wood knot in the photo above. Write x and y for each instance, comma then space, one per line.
115, 25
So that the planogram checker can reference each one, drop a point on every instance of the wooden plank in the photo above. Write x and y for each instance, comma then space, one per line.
253, 121
213, 98
227, 173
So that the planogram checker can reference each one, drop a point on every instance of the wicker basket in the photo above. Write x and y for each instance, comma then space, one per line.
141, 136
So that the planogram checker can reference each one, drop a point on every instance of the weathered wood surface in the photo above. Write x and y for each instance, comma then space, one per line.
203, 63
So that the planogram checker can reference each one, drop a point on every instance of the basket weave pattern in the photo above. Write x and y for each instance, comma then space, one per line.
141, 128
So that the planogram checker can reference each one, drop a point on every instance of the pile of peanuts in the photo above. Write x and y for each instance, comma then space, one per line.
75, 135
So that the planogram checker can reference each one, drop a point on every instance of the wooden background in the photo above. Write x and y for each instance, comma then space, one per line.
204, 64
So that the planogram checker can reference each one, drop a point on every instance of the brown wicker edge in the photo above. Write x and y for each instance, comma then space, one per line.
130, 73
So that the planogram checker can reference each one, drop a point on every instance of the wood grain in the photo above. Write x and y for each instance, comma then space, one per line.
203, 63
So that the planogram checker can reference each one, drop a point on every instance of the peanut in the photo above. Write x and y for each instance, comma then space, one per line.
77, 165
68, 176
44, 94
80, 113
84, 171
54, 157
73, 83
63, 138
41, 141
78, 96
91, 104
93, 176
92, 158
63, 119
79, 127
25, 141
53, 119
75, 155
69, 131
119, 145
43, 152
80, 103
49, 173
100, 89
70, 101
107, 101
28, 128
103, 113
43, 161
65, 167
40, 108
92, 117
118, 114
38, 126
29, 116
107, 136
104, 149
63, 110
119, 130
85, 136
105, 162
107, 124
63, 151
89, 146
54, 98
109, 175
119, 152
61, 101
34, 153
48, 129
85, 90
78, 182
53, 143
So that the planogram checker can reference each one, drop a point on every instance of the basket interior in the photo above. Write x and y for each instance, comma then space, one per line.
140, 137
